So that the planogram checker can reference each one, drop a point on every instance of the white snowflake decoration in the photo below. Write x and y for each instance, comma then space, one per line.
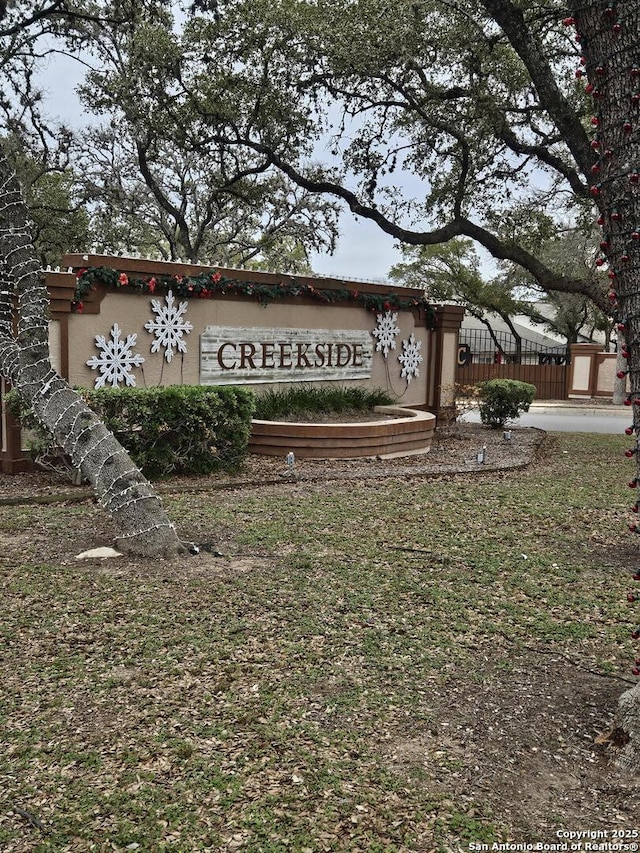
386, 332
410, 358
169, 326
116, 359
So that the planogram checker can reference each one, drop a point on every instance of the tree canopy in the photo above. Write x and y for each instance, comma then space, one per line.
133, 172
433, 120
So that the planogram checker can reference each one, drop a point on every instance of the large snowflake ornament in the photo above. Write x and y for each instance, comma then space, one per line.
116, 360
169, 326
410, 358
386, 332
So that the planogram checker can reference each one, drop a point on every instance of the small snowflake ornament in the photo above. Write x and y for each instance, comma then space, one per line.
116, 359
410, 358
169, 326
386, 332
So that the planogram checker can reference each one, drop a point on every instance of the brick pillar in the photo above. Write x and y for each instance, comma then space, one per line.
583, 379
12, 457
442, 375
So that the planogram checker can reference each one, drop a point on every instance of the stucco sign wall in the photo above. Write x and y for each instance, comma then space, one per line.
233, 354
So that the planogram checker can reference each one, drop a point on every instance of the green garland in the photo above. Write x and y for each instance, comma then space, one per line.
206, 285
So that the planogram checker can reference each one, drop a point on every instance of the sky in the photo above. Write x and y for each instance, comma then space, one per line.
364, 252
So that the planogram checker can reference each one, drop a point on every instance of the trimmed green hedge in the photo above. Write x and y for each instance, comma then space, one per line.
174, 430
503, 400
179, 429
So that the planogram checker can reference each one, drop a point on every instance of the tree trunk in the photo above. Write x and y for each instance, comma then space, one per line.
619, 383
142, 524
609, 40
517, 338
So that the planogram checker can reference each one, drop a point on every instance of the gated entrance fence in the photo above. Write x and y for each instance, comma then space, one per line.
482, 356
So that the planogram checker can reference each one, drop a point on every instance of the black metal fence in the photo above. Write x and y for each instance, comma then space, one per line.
481, 347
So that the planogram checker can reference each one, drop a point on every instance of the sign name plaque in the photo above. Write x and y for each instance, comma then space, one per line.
234, 355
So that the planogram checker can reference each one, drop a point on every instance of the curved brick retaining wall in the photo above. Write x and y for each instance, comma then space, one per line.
403, 432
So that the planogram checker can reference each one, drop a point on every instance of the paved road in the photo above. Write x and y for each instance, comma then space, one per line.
560, 418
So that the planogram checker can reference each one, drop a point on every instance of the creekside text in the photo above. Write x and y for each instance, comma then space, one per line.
284, 355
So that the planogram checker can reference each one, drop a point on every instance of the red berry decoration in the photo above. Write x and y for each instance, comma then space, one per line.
631, 597
628, 430
569, 22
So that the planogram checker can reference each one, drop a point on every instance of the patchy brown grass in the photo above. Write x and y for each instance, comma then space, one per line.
379, 664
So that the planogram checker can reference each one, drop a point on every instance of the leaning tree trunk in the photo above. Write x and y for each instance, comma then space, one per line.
610, 40
142, 524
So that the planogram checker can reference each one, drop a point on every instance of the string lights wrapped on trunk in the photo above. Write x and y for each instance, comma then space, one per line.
610, 68
141, 522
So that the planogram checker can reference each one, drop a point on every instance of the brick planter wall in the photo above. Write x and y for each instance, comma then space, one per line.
408, 433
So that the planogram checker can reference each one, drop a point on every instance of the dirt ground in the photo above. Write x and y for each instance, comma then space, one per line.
539, 768
454, 450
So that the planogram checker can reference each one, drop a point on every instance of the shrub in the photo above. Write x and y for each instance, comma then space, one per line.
306, 399
503, 400
179, 429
